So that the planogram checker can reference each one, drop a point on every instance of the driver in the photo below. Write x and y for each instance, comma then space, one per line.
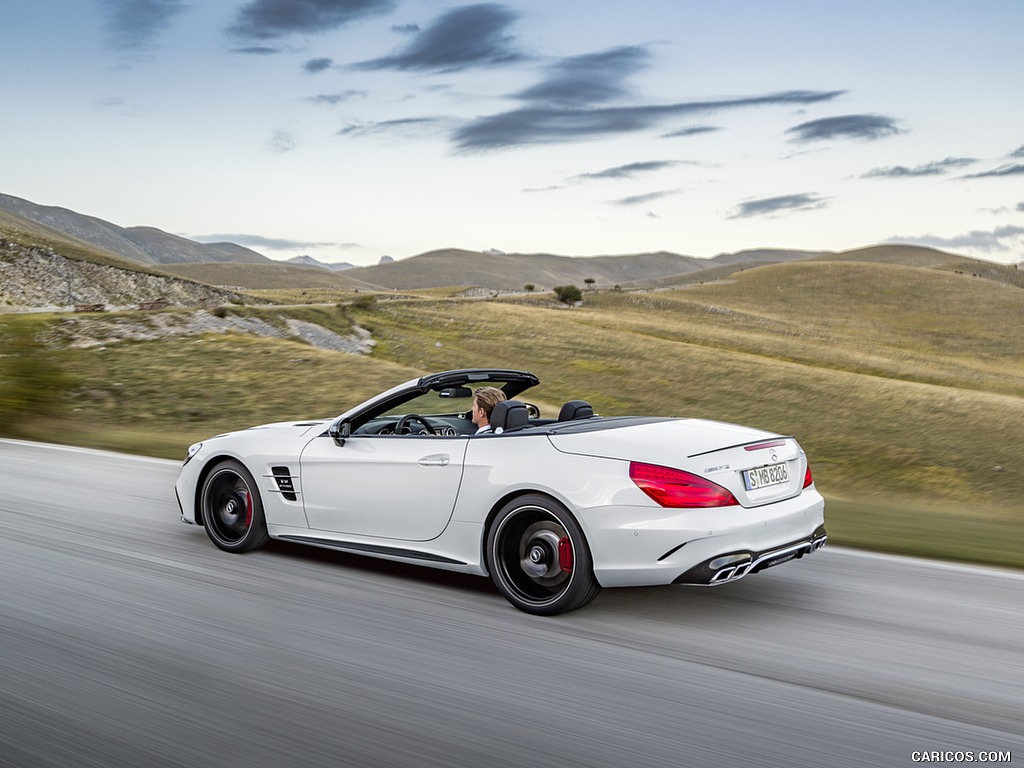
484, 400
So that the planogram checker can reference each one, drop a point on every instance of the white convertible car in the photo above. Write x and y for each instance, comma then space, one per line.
553, 509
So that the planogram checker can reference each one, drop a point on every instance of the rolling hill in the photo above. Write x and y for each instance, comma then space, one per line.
144, 245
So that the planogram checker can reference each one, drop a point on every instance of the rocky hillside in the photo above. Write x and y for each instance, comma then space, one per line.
37, 277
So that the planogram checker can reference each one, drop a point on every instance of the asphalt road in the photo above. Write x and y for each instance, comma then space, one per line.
127, 639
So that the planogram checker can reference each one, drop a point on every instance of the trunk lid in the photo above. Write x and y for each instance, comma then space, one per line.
758, 467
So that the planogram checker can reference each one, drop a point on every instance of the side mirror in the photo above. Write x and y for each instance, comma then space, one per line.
340, 431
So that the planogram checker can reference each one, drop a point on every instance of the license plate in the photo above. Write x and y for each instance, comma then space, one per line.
762, 477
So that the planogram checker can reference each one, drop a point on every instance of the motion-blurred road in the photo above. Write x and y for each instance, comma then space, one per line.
127, 639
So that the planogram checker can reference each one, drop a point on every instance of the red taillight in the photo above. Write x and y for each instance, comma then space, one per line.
808, 480
677, 489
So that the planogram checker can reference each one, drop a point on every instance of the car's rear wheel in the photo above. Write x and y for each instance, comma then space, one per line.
232, 509
539, 558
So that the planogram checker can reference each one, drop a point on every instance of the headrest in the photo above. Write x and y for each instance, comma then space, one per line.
508, 415
575, 409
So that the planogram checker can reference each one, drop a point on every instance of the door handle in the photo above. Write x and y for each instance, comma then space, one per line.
437, 460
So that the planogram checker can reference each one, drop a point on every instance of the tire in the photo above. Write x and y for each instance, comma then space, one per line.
538, 557
232, 508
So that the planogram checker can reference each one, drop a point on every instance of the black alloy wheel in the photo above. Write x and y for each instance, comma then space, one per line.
538, 557
232, 509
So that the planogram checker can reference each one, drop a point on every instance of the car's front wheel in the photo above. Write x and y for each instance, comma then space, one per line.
232, 509
539, 558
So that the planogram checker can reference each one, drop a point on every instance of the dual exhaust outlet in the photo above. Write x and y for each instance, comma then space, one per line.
730, 568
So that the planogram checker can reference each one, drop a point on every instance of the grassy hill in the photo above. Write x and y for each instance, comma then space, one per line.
900, 372
513, 271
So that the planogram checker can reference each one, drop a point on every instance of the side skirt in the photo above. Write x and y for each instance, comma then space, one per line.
372, 549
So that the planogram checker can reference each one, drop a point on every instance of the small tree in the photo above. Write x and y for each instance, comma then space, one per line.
590, 282
529, 287
568, 294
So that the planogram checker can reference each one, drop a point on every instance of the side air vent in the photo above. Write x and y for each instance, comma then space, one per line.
285, 482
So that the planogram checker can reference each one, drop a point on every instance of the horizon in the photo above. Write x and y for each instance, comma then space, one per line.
348, 130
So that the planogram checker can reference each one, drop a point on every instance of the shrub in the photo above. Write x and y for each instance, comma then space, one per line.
568, 294
365, 301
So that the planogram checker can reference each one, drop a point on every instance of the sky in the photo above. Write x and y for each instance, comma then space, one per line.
353, 129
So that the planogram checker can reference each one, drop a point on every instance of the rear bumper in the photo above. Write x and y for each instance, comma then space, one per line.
635, 546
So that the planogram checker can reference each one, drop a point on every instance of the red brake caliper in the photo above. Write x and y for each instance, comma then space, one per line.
248, 508
565, 554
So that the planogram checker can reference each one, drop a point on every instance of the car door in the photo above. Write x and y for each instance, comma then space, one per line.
388, 486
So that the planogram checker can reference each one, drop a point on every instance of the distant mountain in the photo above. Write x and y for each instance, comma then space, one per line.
309, 261
144, 245
453, 267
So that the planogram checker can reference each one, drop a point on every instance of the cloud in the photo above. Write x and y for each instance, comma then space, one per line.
1003, 170
317, 65
935, 168
135, 24
1018, 152
268, 19
694, 130
259, 241
649, 197
629, 170
405, 29
594, 78
999, 239
1020, 207
257, 50
767, 206
282, 141
403, 127
868, 127
332, 99
540, 124
473, 35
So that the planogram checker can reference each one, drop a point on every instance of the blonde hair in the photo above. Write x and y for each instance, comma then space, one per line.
486, 398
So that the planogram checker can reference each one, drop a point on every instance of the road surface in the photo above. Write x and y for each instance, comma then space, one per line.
127, 639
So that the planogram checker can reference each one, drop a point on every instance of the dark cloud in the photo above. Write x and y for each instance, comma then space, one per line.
594, 78
534, 125
935, 168
267, 19
135, 24
332, 99
317, 65
694, 130
473, 35
1020, 207
1003, 170
649, 197
766, 206
629, 170
999, 239
846, 127
405, 29
257, 50
259, 241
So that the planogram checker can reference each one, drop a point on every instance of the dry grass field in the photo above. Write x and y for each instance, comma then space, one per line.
904, 383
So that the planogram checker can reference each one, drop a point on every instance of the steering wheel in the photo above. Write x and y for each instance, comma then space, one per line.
403, 428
